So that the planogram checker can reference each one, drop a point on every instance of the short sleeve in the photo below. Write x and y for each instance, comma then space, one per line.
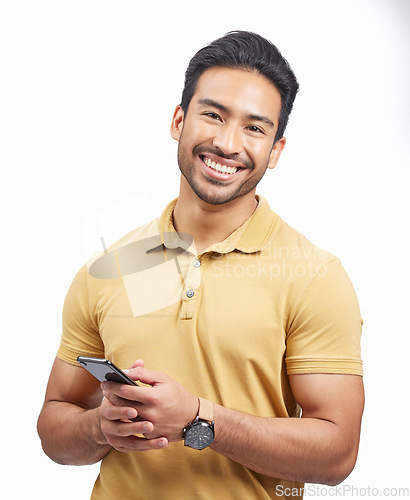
325, 326
80, 335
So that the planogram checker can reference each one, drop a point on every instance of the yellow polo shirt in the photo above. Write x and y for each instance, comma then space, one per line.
230, 324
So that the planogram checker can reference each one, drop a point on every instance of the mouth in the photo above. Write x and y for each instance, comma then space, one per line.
220, 168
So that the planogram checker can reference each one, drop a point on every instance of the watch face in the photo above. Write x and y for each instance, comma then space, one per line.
199, 436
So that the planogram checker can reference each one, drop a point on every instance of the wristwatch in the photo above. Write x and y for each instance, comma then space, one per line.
200, 433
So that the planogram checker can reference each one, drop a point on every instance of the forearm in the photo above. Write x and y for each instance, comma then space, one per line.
71, 435
304, 450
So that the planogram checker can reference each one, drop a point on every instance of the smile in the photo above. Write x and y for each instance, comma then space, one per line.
223, 169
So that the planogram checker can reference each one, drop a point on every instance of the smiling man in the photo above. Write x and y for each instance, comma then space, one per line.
226, 142
246, 335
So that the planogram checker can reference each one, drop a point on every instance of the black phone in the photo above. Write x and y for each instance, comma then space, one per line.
104, 370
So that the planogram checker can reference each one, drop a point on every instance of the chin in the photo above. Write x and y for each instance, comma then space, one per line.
214, 198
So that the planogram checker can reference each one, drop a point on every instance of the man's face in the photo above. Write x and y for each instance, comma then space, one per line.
226, 137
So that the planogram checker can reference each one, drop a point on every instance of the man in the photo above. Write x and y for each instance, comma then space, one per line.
235, 320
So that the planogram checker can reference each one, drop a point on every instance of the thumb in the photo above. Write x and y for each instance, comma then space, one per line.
139, 362
132, 371
150, 377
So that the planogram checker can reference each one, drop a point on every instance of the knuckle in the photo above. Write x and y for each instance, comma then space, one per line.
122, 391
110, 412
152, 399
121, 430
103, 415
126, 392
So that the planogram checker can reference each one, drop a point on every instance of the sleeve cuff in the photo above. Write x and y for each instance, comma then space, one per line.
343, 366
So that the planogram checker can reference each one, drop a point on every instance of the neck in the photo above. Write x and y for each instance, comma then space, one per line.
209, 224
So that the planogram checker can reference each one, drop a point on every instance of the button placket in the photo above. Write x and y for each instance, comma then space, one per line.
193, 278
191, 289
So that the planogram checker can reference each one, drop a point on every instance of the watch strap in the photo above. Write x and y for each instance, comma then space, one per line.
206, 410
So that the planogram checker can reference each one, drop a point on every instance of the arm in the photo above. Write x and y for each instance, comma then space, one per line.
68, 424
320, 447
73, 414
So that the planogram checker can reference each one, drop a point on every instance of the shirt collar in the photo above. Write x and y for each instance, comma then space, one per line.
252, 236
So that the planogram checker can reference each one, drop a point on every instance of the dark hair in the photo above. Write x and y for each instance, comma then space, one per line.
247, 51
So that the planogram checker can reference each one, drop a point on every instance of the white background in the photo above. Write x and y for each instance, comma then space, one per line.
87, 91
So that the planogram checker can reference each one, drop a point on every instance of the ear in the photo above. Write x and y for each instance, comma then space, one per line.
177, 123
276, 152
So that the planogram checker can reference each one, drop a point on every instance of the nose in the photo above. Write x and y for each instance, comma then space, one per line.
229, 139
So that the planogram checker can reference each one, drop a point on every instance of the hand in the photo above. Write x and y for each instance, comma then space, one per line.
124, 434
165, 408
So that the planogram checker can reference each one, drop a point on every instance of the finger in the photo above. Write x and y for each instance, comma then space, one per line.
126, 395
126, 429
133, 443
146, 376
139, 362
116, 400
110, 411
120, 394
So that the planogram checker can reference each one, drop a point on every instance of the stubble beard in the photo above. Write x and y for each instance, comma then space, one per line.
208, 194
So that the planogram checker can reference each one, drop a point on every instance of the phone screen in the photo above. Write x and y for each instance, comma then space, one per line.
104, 370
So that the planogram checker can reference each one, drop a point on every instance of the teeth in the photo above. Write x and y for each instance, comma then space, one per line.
218, 167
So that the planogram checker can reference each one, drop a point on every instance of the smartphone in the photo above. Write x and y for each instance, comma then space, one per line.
104, 370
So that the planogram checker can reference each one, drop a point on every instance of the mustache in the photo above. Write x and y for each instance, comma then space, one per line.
201, 150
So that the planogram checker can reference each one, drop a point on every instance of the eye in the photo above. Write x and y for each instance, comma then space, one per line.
254, 128
212, 115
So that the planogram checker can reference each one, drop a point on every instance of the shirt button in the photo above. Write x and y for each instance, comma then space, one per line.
190, 293
197, 263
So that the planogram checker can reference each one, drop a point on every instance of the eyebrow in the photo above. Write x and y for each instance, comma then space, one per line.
206, 101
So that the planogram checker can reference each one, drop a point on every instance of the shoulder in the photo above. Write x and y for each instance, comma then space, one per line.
301, 269
297, 256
